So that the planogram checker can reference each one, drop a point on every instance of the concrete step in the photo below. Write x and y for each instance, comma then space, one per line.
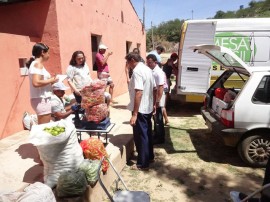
20, 164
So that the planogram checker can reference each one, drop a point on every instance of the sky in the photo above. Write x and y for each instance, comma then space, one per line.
157, 11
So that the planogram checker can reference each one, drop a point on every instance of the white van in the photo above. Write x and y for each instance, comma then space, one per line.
248, 38
243, 121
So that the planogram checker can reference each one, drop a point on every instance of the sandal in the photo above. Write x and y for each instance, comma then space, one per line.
135, 167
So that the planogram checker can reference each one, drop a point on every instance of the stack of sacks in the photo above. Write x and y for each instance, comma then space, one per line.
93, 101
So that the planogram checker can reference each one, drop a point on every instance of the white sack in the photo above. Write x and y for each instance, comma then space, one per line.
58, 153
32, 193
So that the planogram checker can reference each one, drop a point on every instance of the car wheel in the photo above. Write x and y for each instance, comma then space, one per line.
255, 149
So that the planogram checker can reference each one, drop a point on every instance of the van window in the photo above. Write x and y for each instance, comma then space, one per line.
235, 81
262, 93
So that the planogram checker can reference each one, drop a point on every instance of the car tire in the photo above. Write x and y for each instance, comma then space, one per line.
255, 149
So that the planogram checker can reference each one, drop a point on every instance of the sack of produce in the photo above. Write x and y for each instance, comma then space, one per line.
92, 98
71, 183
94, 149
90, 168
94, 85
58, 148
33, 192
96, 113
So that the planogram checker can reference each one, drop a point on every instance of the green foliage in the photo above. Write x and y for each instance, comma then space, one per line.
169, 32
166, 31
255, 9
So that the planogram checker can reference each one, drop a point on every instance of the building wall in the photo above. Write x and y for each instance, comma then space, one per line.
65, 26
115, 23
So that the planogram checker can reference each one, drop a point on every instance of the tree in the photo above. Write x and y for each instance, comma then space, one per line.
168, 33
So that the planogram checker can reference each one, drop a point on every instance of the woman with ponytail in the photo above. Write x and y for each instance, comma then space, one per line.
40, 83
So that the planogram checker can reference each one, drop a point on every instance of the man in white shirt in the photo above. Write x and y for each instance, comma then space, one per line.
59, 108
157, 52
142, 94
159, 136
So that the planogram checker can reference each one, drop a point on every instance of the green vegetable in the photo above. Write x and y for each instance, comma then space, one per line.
55, 130
90, 168
71, 183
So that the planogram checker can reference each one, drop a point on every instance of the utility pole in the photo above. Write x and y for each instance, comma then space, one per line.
152, 35
192, 14
144, 13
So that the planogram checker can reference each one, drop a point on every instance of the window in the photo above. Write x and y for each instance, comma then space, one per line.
262, 93
95, 40
235, 81
128, 46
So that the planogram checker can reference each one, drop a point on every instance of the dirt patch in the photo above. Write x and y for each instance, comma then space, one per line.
192, 165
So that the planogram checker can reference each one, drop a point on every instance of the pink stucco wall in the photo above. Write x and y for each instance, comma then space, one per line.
115, 21
65, 26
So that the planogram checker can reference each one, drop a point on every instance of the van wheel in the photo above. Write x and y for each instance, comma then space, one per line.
255, 149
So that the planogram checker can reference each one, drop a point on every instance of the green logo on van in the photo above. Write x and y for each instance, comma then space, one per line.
241, 45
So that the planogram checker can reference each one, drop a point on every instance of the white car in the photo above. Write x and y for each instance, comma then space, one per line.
243, 121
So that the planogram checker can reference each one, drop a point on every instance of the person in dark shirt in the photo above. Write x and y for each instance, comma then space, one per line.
168, 68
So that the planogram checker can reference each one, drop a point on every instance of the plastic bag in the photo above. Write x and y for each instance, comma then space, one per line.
90, 168
94, 149
34, 192
29, 120
94, 85
37, 192
93, 98
71, 183
97, 113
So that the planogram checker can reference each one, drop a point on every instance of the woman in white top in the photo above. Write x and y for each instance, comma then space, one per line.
78, 74
40, 83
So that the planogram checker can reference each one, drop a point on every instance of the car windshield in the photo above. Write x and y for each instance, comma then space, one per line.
225, 58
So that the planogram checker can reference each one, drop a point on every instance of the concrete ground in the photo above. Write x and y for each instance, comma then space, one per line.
20, 161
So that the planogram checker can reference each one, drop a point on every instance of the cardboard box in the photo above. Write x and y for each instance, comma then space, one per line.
218, 105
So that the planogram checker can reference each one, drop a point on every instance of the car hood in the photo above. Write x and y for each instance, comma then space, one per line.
223, 56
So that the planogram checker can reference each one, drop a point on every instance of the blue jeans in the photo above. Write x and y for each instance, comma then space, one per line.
142, 133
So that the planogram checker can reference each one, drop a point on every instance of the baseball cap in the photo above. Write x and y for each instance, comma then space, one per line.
102, 46
59, 86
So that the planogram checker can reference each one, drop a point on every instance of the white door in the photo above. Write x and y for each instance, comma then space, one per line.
194, 69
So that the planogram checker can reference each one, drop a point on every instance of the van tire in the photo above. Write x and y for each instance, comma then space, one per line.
255, 149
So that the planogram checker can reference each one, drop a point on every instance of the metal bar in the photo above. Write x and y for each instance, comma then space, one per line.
118, 175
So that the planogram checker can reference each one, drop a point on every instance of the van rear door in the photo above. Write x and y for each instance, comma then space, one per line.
194, 69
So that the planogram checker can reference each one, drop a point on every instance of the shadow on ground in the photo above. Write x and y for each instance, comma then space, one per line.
35, 173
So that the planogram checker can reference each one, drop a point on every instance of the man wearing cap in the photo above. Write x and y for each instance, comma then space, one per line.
59, 110
103, 68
